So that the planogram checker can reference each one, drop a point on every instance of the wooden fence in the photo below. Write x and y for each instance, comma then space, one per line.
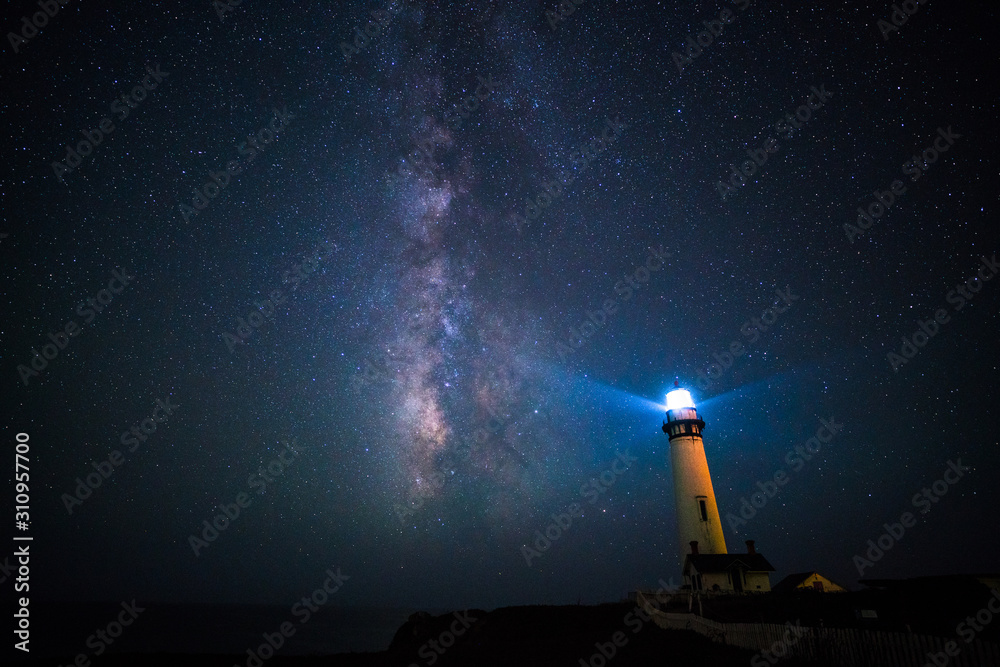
844, 647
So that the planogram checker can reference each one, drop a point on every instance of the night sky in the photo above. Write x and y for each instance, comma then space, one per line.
368, 303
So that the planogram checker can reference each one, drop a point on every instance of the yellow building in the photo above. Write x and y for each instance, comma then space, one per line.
728, 573
807, 581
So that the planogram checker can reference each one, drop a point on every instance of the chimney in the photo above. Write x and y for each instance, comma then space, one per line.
750, 547
694, 547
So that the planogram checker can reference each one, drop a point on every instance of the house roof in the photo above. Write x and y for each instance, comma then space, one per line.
722, 562
792, 581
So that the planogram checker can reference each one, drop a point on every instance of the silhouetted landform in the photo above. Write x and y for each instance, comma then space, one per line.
923, 605
523, 636
576, 636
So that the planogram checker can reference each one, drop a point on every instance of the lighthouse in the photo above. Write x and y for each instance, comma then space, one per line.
698, 524
707, 567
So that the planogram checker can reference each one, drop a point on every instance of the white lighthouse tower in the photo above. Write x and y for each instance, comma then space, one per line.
698, 524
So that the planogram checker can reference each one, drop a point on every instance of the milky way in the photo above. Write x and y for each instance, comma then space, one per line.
452, 371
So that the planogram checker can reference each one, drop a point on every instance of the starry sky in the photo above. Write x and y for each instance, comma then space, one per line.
424, 258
